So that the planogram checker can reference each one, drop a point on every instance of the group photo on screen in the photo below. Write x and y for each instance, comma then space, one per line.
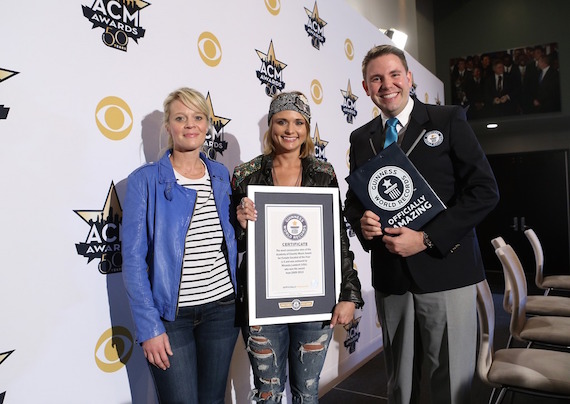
516, 81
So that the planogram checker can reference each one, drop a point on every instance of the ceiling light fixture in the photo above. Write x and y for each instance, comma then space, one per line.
398, 37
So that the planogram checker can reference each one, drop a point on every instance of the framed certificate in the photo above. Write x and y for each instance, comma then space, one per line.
293, 254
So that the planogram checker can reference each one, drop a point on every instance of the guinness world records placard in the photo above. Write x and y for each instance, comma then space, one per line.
293, 254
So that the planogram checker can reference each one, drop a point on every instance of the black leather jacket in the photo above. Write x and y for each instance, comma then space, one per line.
316, 173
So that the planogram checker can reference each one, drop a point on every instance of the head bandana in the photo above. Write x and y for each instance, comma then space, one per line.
290, 102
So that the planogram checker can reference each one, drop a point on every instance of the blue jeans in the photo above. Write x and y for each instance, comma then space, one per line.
202, 340
270, 346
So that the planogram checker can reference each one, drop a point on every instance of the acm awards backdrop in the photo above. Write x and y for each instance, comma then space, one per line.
81, 92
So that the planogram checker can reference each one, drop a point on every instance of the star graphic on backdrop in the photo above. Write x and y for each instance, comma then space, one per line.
353, 323
437, 99
314, 15
111, 208
6, 74
317, 139
139, 3
218, 122
387, 183
270, 58
5, 355
348, 93
352, 335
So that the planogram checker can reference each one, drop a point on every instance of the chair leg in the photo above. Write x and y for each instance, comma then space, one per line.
492, 395
501, 395
510, 341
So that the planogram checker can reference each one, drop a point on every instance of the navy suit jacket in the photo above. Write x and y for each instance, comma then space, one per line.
460, 174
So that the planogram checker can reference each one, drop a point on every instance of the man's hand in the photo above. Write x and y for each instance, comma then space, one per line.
403, 241
370, 225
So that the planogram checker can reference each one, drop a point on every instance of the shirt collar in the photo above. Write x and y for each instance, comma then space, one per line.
403, 117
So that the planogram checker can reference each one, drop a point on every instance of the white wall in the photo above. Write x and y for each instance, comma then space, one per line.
66, 332
414, 17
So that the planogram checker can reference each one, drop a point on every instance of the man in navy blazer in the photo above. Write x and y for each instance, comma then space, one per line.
424, 280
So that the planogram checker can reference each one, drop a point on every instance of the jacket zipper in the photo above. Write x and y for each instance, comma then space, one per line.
182, 264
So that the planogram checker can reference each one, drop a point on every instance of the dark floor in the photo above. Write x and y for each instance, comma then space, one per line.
368, 384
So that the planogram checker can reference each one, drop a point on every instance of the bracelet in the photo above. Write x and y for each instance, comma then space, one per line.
427, 242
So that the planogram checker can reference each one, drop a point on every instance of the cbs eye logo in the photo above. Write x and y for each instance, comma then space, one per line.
316, 91
348, 49
114, 118
209, 49
273, 6
113, 349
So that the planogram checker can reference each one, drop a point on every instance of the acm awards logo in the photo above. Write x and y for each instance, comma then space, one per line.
5, 75
349, 229
314, 27
348, 107
271, 71
113, 349
210, 51
120, 20
103, 239
215, 143
3, 357
352, 335
320, 145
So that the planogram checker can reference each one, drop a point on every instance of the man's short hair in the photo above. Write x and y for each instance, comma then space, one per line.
382, 50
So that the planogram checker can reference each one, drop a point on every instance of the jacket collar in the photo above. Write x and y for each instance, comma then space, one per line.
166, 171
307, 170
418, 118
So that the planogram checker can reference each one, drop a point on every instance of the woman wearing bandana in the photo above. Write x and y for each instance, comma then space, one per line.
288, 160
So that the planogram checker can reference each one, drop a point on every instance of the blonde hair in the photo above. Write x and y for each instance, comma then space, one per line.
189, 97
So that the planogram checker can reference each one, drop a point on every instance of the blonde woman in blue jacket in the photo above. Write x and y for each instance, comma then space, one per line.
179, 259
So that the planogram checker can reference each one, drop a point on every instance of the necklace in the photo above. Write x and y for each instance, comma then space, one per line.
276, 182
189, 173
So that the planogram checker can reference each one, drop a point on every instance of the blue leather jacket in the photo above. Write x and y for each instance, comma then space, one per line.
156, 218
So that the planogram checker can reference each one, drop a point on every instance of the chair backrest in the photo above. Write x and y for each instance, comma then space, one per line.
486, 314
512, 269
538, 256
499, 242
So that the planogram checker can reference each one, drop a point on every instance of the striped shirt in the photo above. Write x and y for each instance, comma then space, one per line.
205, 276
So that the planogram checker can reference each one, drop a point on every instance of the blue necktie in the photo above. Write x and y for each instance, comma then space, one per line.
391, 132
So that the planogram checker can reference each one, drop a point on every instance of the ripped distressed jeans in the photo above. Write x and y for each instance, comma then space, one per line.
269, 347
